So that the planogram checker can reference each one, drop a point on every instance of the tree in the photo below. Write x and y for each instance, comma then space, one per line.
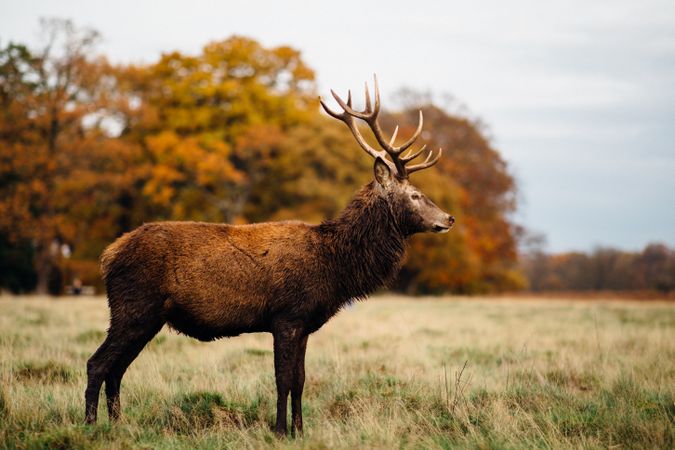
472, 181
653, 269
209, 124
233, 134
46, 97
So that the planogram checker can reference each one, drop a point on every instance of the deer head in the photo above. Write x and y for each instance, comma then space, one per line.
413, 211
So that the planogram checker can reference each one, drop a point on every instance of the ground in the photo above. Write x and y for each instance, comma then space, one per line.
391, 372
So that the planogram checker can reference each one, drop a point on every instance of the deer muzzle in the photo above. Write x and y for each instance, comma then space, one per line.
445, 226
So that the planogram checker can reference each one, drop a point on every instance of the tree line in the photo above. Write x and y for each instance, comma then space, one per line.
90, 150
604, 269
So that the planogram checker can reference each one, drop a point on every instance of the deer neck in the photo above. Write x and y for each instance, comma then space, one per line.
364, 245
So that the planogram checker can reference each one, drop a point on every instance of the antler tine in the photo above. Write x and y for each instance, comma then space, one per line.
401, 148
348, 119
371, 119
347, 107
330, 111
393, 136
376, 110
369, 115
427, 163
415, 135
412, 155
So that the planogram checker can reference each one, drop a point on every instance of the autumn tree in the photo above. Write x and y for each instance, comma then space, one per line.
15, 140
473, 181
232, 134
46, 96
652, 269
210, 124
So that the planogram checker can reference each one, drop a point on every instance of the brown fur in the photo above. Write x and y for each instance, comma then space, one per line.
214, 280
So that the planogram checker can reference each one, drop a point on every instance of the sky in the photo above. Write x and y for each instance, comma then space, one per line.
578, 96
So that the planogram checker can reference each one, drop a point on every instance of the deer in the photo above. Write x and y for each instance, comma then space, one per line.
214, 280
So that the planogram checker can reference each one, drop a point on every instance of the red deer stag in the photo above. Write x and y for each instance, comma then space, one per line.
288, 278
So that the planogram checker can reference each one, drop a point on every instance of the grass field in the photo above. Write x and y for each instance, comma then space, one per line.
388, 373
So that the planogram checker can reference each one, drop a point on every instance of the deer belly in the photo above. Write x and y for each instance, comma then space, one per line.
209, 319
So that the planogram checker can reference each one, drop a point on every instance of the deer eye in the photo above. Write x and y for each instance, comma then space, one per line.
415, 196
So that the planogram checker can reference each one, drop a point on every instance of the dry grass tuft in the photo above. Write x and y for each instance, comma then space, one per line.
45, 372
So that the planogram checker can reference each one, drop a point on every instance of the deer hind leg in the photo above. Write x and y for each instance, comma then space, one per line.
97, 368
113, 379
128, 328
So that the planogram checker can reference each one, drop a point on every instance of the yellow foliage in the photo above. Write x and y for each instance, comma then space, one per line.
230, 134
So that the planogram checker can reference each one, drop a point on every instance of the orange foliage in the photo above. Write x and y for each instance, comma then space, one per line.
230, 134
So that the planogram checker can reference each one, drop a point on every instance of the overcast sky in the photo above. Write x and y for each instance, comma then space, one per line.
579, 96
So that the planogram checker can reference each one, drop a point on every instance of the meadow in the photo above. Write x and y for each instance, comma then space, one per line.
391, 372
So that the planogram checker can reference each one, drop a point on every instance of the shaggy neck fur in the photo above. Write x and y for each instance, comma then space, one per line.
364, 245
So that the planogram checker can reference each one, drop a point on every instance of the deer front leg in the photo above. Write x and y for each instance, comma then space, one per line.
297, 386
286, 341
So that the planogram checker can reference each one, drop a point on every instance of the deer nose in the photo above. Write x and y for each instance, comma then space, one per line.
451, 220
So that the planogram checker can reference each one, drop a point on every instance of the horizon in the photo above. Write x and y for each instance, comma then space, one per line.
582, 110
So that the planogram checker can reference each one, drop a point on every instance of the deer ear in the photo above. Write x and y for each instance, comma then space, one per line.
382, 173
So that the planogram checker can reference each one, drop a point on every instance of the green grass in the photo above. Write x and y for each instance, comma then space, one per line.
387, 373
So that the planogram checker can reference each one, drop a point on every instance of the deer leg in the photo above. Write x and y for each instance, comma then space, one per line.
285, 348
112, 393
93, 383
98, 367
297, 386
114, 378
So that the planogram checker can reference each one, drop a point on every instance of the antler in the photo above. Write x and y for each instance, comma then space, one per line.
369, 115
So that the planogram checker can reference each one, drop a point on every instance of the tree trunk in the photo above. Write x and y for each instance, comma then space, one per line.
49, 280
43, 270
